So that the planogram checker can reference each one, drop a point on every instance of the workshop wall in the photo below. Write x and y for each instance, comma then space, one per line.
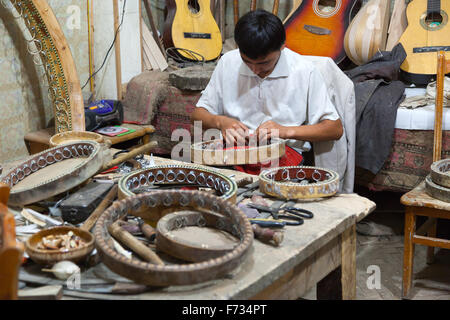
25, 106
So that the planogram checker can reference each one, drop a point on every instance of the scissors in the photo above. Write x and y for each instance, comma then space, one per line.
294, 216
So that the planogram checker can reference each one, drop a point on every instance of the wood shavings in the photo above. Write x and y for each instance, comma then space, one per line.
61, 242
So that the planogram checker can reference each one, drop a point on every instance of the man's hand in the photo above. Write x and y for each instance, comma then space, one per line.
233, 130
270, 129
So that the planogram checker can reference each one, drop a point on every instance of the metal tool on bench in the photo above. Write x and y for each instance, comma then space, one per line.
292, 216
246, 191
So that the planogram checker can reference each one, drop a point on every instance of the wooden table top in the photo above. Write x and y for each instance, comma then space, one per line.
265, 263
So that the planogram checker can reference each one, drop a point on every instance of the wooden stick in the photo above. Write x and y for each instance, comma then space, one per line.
153, 27
437, 145
236, 11
222, 18
117, 51
131, 242
276, 4
90, 16
129, 155
110, 196
253, 5
141, 40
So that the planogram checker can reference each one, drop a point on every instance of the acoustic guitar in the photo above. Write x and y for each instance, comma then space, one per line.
190, 25
427, 32
317, 27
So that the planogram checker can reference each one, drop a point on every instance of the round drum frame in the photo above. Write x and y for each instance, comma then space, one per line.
74, 176
277, 182
186, 249
175, 174
231, 157
56, 59
436, 191
440, 172
184, 274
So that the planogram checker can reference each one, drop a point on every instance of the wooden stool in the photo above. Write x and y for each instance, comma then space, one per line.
419, 203
40, 140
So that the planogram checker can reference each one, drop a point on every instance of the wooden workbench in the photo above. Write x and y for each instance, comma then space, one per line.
320, 252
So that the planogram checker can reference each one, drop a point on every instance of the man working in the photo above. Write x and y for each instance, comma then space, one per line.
265, 87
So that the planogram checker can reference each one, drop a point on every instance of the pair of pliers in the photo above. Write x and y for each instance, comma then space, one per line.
294, 218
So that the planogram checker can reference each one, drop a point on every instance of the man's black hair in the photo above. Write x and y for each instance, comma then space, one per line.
258, 33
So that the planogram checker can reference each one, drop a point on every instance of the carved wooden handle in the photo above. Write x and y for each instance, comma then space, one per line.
131, 242
110, 196
130, 155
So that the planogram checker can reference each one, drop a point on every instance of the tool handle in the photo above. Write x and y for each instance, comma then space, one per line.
300, 212
267, 235
134, 244
133, 153
148, 231
92, 219
268, 223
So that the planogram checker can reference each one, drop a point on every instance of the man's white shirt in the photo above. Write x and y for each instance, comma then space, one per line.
294, 93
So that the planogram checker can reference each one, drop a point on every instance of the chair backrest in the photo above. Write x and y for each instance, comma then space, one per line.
443, 67
11, 251
276, 4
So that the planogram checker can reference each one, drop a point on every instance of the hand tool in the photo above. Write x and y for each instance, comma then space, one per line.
292, 217
131, 242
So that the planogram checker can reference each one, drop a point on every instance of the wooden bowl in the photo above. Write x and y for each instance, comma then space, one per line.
70, 136
43, 256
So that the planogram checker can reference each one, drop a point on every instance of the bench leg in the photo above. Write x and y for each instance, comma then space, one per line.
430, 250
340, 284
408, 251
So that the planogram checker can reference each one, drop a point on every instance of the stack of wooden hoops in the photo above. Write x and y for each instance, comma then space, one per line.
437, 183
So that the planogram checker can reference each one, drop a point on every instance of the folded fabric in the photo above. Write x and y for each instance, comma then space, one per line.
429, 97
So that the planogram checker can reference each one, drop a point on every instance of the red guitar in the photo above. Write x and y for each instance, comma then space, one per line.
317, 27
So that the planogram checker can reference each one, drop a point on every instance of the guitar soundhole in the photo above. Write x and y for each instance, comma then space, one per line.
194, 6
327, 6
434, 20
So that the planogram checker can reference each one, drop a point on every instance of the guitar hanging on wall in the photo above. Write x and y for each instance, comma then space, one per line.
317, 27
427, 32
190, 25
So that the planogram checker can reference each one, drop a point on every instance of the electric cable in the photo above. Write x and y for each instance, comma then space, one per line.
110, 48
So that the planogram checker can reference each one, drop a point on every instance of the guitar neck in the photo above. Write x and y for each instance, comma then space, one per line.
434, 6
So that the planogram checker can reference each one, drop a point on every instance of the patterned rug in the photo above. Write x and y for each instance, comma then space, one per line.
408, 163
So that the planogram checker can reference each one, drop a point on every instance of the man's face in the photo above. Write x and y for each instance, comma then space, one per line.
263, 66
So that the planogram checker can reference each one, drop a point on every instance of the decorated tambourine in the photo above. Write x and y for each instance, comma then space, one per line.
437, 183
215, 153
211, 210
190, 175
299, 182
54, 171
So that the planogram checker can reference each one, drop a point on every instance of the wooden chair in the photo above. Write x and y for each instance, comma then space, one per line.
276, 4
418, 203
11, 251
